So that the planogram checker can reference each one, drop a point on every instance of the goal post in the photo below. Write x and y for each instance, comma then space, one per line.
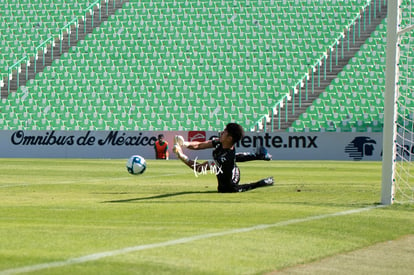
388, 150
398, 131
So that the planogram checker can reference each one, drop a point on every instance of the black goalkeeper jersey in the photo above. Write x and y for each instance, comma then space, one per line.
227, 172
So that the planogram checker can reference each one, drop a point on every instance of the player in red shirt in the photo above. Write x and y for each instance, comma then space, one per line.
161, 148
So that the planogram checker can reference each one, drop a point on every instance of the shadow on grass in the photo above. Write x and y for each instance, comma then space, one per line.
161, 196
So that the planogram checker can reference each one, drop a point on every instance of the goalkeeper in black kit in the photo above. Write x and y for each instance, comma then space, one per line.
225, 158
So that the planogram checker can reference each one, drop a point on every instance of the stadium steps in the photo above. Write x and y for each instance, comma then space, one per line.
299, 105
41, 63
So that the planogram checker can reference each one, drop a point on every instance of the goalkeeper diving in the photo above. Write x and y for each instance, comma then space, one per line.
224, 159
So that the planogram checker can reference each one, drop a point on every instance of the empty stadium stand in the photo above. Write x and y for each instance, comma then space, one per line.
183, 65
355, 95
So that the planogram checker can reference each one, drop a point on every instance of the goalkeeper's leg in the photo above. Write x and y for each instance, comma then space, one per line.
260, 154
261, 183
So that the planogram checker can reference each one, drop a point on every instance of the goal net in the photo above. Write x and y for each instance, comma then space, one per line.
398, 147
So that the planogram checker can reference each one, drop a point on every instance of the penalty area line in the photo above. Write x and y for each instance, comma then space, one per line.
112, 253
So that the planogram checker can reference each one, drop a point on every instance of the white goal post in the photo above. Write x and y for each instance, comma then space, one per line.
398, 132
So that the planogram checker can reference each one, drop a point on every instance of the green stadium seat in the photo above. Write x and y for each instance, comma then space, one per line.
207, 50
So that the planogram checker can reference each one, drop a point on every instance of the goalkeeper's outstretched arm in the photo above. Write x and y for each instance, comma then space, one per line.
192, 145
194, 165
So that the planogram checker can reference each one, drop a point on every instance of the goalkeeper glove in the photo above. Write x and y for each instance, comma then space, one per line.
180, 141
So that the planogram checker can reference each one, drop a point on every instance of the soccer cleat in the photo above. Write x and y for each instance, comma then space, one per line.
179, 140
269, 181
265, 182
262, 154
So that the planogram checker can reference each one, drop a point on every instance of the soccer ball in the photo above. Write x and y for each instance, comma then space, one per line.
136, 165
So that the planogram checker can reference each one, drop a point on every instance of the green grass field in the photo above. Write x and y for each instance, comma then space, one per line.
72, 216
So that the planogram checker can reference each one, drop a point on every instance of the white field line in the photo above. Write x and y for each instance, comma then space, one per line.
111, 253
